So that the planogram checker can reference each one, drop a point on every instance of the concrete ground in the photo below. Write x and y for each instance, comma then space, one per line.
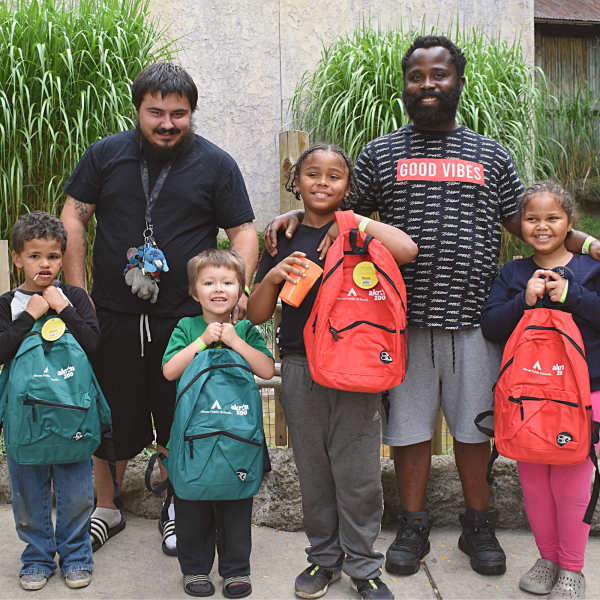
132, 565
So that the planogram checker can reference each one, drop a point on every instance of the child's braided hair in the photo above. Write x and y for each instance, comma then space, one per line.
294, 174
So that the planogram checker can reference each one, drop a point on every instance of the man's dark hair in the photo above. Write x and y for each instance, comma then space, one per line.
429, 41
35, 225
167, 79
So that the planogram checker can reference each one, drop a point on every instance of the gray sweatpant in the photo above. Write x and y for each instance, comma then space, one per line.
336, 438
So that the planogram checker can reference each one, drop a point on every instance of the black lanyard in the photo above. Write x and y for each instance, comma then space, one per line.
152, 198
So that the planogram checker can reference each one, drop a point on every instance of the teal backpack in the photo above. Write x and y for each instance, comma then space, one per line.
53, 409
217, 444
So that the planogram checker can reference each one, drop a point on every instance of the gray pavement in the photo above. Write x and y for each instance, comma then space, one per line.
132, 565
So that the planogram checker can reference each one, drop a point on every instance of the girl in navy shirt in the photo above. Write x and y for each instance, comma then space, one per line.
555, 497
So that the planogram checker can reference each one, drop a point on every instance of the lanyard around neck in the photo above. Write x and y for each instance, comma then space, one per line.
153, 197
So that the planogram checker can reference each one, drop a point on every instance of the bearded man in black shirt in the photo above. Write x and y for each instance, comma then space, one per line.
158, 187
451, 190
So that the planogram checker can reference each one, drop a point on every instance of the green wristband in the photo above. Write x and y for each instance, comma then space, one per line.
363, 224
564, 294
247, 291
585, 249
201, 345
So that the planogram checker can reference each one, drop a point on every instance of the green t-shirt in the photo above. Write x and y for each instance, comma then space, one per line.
191, 328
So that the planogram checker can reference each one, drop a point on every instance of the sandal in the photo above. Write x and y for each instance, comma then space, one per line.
237, 587
167, 529
101, 532
198, 585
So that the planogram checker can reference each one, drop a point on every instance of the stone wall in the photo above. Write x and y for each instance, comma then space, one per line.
247, 55
279, 502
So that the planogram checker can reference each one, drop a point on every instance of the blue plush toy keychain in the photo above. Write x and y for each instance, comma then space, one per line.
146, 262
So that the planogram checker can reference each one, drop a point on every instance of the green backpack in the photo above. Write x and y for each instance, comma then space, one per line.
216, 449
54, 411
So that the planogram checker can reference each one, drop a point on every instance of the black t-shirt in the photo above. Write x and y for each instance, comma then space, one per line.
203, 191
449, 191
290, 338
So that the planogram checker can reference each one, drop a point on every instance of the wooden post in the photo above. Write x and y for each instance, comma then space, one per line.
291, 145
436, 442
4, 267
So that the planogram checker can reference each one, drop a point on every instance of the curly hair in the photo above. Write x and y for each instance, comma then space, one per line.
429, 41
354, 194
219, 258
35, 225
564, 198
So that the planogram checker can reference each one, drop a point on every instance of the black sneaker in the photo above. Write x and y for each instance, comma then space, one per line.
479, 541
411, 543
314, 581
372, 588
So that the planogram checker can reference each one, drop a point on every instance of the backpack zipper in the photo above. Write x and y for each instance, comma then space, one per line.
519, 401
189, 385
339, 262
191, 438
540, 328
32, 402
335, 332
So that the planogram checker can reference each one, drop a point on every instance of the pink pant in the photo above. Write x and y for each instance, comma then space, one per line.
556, 498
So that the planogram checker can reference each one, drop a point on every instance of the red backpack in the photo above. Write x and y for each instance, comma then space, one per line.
355, 336
542, 407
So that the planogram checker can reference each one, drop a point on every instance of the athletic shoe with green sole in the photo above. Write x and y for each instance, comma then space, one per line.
314, 581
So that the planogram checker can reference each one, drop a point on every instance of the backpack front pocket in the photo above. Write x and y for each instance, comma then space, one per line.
42, 420
221, 457
544, 418
378, 340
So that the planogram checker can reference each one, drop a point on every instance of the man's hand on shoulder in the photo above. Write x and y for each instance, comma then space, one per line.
240, 309
289, 221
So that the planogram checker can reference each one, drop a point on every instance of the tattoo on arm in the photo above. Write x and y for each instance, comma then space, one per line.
84, 238
246, 226
81, 208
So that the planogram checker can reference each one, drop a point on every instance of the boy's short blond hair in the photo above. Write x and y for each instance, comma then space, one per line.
227, 259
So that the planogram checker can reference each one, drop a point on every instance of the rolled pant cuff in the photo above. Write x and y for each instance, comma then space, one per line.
35, 571
80, 567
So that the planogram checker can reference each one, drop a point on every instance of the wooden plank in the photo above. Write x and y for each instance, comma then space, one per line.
291, 145
4, 267
436, 442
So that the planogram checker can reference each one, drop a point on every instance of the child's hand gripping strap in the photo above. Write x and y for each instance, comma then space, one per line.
347, 222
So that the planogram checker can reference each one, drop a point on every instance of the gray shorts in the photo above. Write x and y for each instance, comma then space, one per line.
451, 369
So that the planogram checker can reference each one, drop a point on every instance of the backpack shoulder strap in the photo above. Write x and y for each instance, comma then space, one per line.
345, 220
589, 513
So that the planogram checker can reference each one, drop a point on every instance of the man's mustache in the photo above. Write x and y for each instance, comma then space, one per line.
163, 131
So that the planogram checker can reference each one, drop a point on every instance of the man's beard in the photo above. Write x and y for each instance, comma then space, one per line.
164, 153
428, 116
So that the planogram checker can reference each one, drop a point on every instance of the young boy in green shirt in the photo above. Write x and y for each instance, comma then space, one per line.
216, 280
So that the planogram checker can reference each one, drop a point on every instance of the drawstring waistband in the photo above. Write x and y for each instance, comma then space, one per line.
142, 319
453, 354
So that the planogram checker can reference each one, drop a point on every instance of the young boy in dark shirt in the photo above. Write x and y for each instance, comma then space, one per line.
39, 241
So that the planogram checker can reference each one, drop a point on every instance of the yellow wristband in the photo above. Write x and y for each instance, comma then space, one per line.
247, 291
564, 294
201, 345
585, 249
362, 225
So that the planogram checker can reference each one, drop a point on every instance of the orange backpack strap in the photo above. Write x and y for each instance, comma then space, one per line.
345, 220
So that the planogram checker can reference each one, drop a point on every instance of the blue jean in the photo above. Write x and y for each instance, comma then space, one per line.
32, 509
